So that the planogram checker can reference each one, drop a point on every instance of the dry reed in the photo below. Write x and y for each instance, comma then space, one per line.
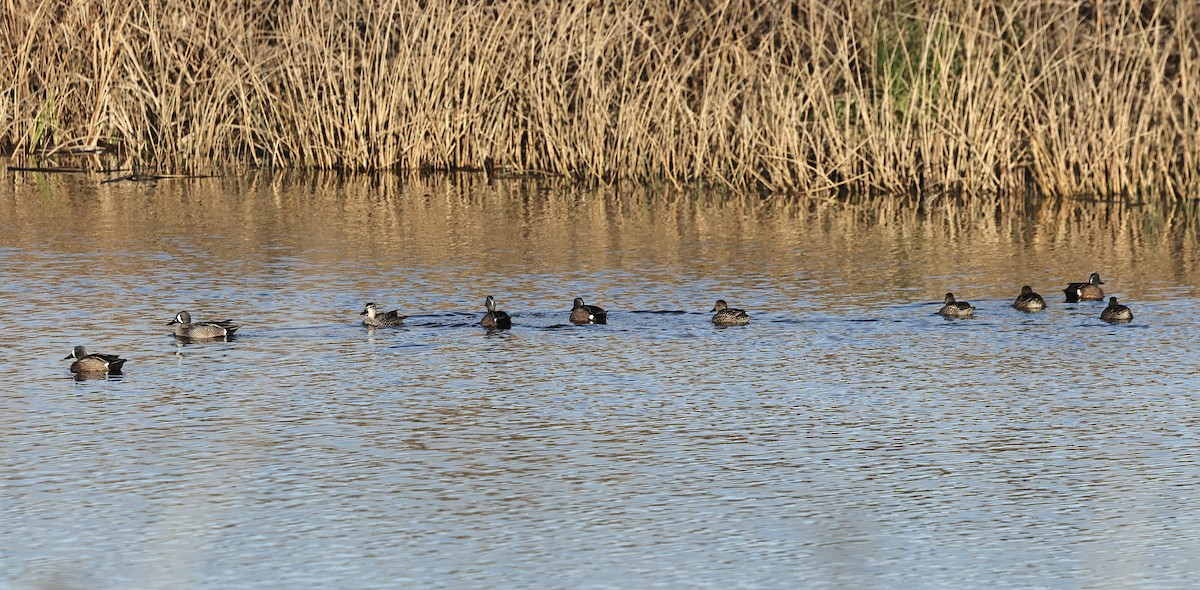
919, 97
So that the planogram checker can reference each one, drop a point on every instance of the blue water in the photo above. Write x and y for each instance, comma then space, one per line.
848, 437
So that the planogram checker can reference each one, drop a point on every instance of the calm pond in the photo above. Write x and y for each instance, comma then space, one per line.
848, 437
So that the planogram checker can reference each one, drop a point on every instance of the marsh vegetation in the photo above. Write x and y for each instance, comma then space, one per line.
905, 97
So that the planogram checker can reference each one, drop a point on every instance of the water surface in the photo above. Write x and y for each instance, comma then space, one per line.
848, 437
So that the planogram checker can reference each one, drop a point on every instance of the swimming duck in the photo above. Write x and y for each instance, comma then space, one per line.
375, 318
494, 320
184, 328
1088, 291
1029, 301
1115, 312
587, 314
956, 309
94, 363
728, 316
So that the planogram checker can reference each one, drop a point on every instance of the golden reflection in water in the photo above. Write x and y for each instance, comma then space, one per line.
472, 414
809, 248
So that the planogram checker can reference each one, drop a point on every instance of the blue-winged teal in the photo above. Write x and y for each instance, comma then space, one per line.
1115, 312
94, 363
587, 314
1088, 291
728, 316
494, 320
376, 318
1029, 301
956, 309
184, 328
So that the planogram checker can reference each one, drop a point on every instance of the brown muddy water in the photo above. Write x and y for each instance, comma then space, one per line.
847, 438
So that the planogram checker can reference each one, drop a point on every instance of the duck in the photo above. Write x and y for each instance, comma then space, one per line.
376, 318
1029, 301
1115, 312
94, 363
956, 309
587, 314
728, 316
494, 320
1087, 291
184, 328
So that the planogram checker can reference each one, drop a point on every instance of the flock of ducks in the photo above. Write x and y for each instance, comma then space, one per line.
96, 364
184, 328
581, 313
1032, 302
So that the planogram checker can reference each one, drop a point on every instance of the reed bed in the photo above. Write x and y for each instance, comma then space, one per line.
924, 97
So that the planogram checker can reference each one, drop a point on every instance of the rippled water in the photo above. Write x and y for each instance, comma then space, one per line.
847, 438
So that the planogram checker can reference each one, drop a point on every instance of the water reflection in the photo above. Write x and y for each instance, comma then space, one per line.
96, 376
847, 437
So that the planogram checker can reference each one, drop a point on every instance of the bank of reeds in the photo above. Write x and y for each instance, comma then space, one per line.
1082, 97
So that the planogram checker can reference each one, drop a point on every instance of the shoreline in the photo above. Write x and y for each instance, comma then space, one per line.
795, 99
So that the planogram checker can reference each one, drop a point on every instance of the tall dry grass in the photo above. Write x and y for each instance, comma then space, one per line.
1080, 97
